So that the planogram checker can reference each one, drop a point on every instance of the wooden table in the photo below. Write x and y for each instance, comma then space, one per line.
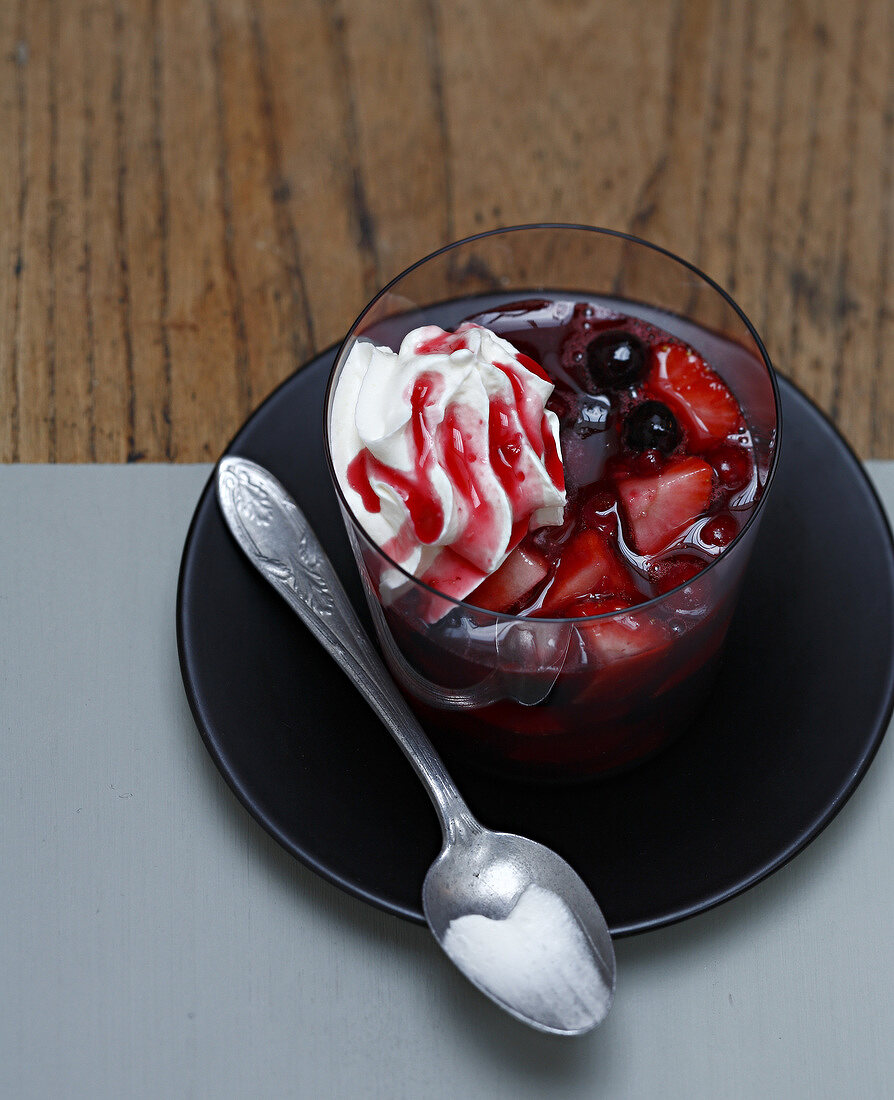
199, 194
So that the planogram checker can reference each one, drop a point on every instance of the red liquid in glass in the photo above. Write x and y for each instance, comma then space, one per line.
641, 522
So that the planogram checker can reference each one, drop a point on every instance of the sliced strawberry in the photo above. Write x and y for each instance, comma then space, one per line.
623, 637
519, 573
611, 644
661, 507
701, 401
589, 567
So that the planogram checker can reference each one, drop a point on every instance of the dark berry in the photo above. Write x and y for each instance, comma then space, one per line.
616, 359
651, 426
733, 466
672, 572
719, 531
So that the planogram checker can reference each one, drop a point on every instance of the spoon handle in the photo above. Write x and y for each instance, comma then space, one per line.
280, 543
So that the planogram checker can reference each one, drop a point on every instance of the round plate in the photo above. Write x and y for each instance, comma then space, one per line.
803, 698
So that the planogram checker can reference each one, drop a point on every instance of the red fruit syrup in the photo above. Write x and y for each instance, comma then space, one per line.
659, 465
661, 477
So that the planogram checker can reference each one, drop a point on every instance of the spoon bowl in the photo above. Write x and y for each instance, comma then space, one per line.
488, 874
510, 913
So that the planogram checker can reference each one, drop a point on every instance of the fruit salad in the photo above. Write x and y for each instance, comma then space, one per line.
550, 491
659, 466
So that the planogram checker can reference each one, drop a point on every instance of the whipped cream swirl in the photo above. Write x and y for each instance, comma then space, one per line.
446, 453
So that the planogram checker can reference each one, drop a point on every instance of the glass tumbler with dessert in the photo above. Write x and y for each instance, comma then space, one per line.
551, 447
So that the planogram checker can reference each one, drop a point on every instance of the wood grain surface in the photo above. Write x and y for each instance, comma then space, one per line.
199, 194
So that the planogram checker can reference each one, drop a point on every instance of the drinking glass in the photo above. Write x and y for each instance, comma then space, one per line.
563, 698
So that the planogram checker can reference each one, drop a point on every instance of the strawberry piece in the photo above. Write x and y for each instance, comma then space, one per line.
661, 507
612, 643
701, 401
519, 573
621, 638
589, 566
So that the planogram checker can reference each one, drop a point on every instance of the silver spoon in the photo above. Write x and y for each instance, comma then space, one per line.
512, 915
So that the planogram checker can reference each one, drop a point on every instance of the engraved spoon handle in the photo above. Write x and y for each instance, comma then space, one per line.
280, 543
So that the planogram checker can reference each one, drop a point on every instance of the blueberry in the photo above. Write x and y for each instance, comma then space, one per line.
616, 359
651, 426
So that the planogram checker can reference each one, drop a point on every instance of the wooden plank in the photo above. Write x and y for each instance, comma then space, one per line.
73, 430
35, 353
881, 442
106, 304
142, 228
207, 398
393, 111
13, 195
257, 283
319, 237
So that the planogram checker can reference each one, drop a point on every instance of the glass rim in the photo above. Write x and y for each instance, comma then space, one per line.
578, 227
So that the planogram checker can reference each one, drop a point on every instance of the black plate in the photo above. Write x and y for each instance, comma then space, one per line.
803, 699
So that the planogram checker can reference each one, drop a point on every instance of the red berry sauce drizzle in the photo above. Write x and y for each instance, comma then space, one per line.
658, 461
456, 439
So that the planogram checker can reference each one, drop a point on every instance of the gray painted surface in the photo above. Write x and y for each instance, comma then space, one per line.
154, 942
